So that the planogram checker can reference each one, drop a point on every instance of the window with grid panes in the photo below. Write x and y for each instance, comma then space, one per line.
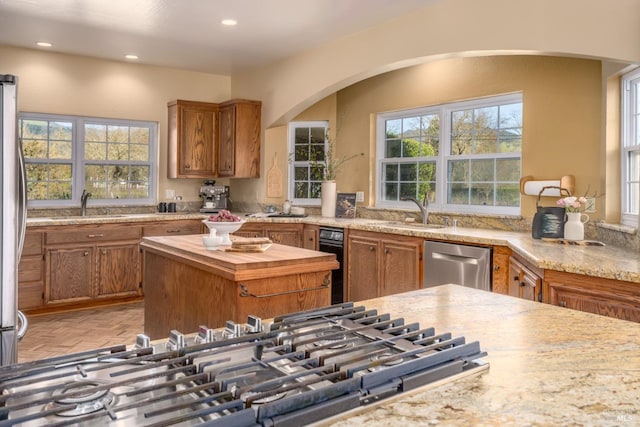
307, 144
111, 159
464, 156
630, 162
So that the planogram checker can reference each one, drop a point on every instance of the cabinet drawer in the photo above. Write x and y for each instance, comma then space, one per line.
93, 234
32, 243
173, 228
30, 296
30, 269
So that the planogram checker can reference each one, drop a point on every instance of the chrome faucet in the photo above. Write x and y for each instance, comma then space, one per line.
83, 202
424, 206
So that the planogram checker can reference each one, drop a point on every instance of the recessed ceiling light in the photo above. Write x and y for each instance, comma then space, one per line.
44, 44
131, 56
229, 22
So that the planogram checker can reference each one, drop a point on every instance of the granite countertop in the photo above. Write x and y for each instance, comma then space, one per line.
607, 262
548, 366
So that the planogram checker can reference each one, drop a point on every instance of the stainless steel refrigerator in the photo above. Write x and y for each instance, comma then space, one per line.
13, 214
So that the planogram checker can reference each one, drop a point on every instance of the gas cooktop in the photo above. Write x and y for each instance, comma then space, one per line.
303, 367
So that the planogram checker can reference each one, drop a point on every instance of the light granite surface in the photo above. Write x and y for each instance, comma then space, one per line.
608, 262
548, 366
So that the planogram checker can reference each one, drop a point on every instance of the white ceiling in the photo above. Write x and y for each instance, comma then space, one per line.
187, 33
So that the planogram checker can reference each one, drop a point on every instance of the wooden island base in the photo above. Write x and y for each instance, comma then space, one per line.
186, 286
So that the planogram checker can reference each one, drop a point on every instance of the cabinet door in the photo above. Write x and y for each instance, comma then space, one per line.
191, 139
606, 297
284, 234
239, 139
400, 266
69, 275
524, 282
500, 271
362, 275
118, 270
226, 141
310, 237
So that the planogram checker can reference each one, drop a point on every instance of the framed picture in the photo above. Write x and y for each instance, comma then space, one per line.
346, 205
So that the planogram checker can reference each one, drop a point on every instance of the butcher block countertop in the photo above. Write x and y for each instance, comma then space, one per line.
276, 261
548, 366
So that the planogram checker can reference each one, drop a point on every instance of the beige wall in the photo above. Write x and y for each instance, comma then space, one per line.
562, 107
448, 29
68, 84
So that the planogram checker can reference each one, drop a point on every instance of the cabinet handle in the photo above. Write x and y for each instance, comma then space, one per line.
86, 253
372, 248
386, 251
187, 166
244, 292
91, 236
496, 267
173, 231
516, 278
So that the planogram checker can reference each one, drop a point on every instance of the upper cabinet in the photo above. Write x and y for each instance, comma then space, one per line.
192, 139
207, 140
239, 140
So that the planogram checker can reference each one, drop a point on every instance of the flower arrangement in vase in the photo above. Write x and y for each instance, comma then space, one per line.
574, 224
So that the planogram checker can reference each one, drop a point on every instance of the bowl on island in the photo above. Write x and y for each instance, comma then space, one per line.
222, 229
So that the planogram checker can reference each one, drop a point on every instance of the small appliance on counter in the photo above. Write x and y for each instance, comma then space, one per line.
215, 197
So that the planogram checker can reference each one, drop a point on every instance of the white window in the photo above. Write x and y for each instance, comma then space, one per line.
111, 159
307, 146
465, 156
630, 148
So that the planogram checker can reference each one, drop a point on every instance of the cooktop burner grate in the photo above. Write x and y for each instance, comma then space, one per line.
304, 367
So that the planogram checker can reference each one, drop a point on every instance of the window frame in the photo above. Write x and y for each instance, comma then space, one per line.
292, 163
78, 162
441, 159
629, 141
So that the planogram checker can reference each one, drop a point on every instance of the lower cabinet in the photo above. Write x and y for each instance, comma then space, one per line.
500, 270
526, 280
89, 263
613, 298
31, 272
283, 234
382, 264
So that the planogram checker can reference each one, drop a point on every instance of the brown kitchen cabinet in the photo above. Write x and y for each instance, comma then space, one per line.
310, 237
283, 233
382, 264
88, 263
174, 227
607, 297
239, 139
526, 280
193, 127
500, 270
30, 272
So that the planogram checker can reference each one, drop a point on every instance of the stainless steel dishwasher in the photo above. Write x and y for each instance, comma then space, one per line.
458, 264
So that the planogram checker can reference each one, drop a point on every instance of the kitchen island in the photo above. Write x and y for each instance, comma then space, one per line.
186, 285
548, 366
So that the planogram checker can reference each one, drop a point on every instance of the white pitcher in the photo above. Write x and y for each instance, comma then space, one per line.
574, 227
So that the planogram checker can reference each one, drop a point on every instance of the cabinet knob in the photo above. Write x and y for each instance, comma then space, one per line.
496, 267
386, 251
523, 284
187, 166
516, 278
86, 253
372, 248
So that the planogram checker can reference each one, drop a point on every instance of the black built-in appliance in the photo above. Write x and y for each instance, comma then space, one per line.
302, 368
331, 240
